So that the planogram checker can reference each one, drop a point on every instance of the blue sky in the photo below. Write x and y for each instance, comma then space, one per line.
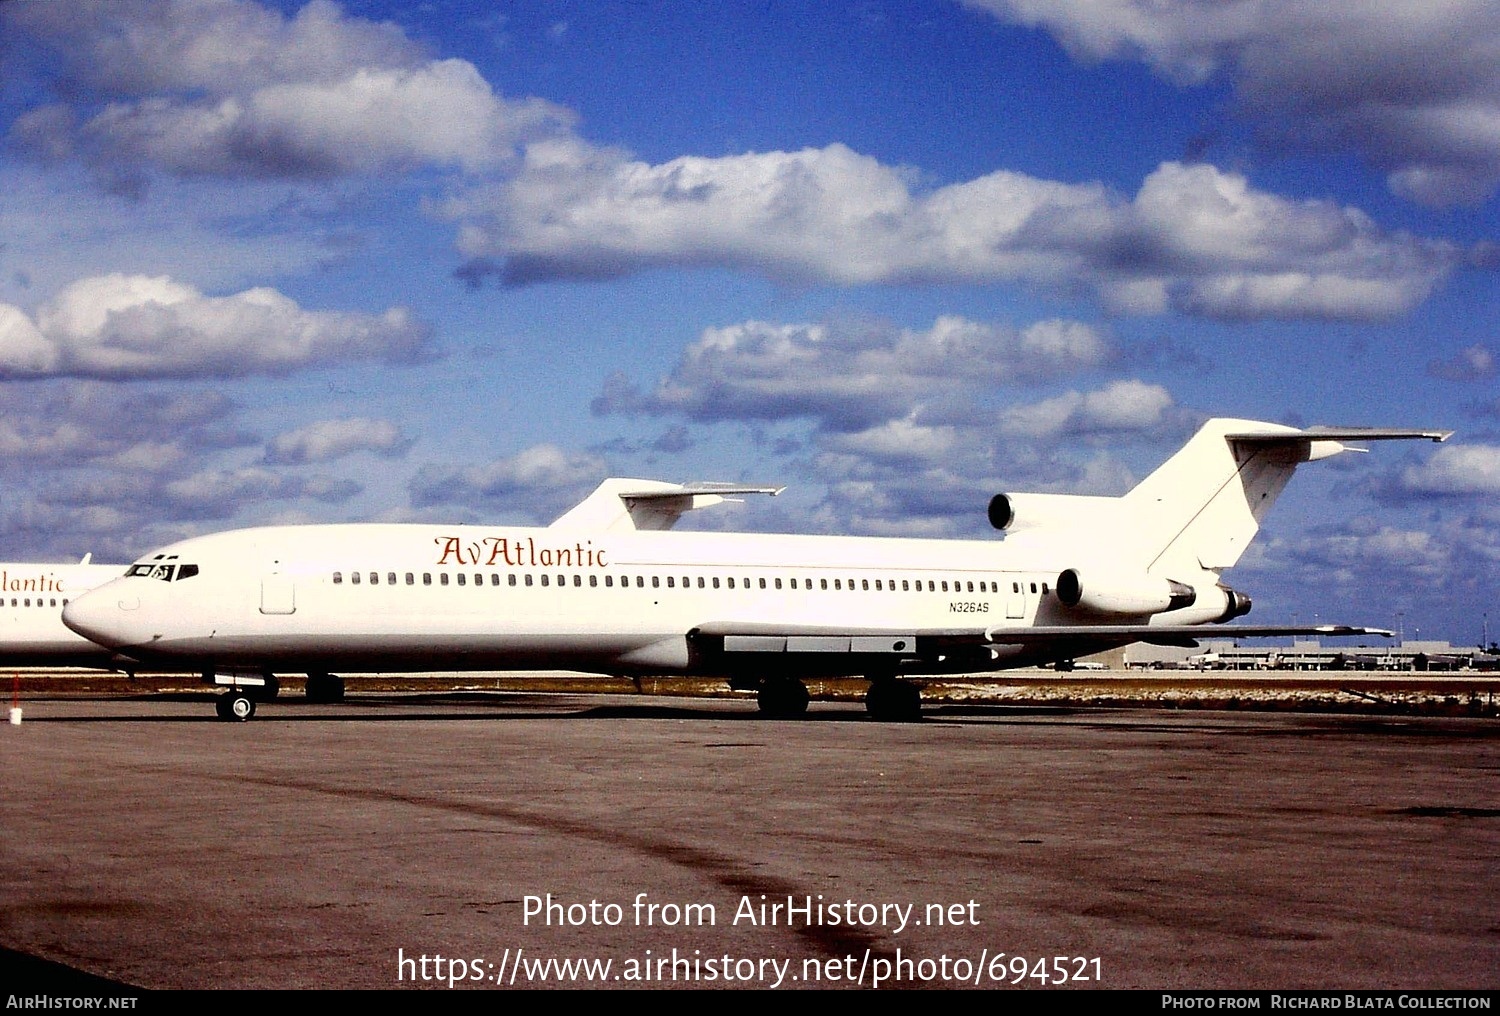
268, 262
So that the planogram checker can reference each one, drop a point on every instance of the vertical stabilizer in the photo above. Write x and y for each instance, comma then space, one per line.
1204, 505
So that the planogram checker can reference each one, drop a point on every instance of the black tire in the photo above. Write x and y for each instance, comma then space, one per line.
324, 688
893, 701
782, 698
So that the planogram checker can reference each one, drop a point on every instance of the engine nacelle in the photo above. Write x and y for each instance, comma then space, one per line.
1014, 512
1126, 595
1235, 604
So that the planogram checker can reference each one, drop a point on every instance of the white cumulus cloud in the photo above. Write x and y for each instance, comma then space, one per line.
1194, 238
131, 326
233, 88
333, 439
1413, 85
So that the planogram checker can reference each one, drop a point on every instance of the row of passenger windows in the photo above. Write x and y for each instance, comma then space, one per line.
671, 582
40, 602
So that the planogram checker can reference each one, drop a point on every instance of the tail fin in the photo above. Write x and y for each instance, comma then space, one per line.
1203, 506
1197, 512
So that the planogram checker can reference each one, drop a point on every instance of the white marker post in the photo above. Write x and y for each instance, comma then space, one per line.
15, 702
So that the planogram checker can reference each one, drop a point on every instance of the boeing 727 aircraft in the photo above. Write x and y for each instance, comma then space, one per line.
32, 598
607, 589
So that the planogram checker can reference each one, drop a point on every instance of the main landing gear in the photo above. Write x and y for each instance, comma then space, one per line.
893, 701
322, 687
889, 700
782, 698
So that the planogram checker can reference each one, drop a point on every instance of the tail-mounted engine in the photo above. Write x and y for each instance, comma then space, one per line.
1126, 595
1235, 604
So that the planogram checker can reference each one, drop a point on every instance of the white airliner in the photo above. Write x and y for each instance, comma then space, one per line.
606, 589
32, 598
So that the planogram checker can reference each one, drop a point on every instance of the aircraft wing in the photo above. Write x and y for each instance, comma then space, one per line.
1170, 634
920, 643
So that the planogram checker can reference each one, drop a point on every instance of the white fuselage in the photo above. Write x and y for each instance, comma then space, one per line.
32, 598
424, 597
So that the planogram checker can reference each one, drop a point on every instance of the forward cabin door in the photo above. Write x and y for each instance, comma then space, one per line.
277, 595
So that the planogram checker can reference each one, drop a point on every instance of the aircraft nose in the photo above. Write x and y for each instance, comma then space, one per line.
99, 616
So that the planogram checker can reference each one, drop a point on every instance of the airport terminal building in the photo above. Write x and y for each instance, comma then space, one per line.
1424, 655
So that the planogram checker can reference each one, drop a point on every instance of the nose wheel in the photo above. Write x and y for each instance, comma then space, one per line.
235, 706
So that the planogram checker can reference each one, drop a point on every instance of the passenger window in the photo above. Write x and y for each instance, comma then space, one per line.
544, 578
390, 578
410, 579
512, 578
593, 581
443, 578
338, 578
1044, 589
837, 584
823, 583
716, 581
374, 578
354, 577
427, 578
461, 578
609, 581
669, 582
763, 583
655, 582
731, 582
528, 578
864, 584
778, 583
577, 581
495, 579
1033, 587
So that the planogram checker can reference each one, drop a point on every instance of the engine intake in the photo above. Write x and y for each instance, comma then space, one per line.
1002, 513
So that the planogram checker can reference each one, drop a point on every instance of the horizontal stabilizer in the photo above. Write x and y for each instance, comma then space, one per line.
624, 504
1342, 434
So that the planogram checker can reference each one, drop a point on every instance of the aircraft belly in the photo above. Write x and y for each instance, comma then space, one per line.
393, 652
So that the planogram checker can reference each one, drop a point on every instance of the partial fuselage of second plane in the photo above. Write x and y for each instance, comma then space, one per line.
32, 598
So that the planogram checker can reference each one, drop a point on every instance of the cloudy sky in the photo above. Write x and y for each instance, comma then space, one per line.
266, 262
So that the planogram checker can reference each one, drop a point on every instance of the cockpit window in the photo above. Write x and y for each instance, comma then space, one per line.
163, 572
152, 570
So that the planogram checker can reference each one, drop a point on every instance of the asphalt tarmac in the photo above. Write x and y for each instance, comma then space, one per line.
689, 843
